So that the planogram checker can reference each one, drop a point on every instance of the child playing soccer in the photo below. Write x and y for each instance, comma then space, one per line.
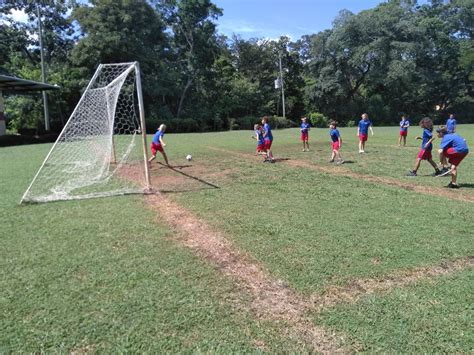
259, 138
304, 128
404, 124
363, 131
426, 147
336, 143
451, 124
157, 144
268, 139
453, 149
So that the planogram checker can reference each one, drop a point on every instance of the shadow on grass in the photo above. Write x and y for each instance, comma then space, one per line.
468, 186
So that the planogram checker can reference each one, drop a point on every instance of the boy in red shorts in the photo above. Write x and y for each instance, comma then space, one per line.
453, 149
336, 143
268, 139
157, 144
258, 130
426, 147
363, 131
404, 124
304, 128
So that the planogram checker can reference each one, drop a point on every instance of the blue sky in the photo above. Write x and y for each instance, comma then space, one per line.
273, 18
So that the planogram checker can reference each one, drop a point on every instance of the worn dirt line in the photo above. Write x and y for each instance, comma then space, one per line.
360, 288
271, 299
340, 171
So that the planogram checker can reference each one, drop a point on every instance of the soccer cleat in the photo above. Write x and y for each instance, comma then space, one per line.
452, 186
331, 161
437, 173
411, 173
444, 172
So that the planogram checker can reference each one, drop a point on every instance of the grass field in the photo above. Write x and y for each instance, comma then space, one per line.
381, 260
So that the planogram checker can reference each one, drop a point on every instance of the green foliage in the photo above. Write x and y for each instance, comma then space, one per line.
351, 123
318, 120
397, 57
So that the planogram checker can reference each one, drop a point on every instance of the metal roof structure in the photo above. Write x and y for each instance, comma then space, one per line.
12, 84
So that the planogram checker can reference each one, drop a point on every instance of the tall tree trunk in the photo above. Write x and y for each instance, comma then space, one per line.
183, 95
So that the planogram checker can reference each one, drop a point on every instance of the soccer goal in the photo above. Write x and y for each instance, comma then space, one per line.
102, 149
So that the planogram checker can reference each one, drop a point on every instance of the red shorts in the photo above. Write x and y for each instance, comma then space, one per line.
304, 136
403, 133
362, 137
454, 157
335, 145
424, 154
268, 144
260, 147
156, 148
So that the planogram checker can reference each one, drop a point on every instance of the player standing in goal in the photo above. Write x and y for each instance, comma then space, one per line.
157, 144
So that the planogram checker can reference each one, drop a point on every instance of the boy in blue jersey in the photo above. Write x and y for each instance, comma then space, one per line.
157, 144
363, 131
268, 139
453, 149
259, 138
426, 147
304, 128
336, 142
404, 124
451, 124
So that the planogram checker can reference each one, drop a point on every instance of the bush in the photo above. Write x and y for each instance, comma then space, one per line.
351, 123
281, 122
318, 120
245, 122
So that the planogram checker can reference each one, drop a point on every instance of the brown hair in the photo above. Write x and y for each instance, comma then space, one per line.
333, 123
426, 123
442, 129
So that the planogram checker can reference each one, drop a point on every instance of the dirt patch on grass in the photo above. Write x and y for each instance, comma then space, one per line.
271, 299
359, 288
341, 171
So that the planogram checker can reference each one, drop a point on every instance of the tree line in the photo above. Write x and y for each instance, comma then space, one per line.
399, 57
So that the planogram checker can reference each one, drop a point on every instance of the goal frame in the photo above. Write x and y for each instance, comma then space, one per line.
133, 66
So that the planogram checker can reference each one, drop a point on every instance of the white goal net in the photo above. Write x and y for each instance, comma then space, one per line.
101, 150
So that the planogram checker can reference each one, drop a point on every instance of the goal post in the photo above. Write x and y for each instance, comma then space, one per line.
102, 149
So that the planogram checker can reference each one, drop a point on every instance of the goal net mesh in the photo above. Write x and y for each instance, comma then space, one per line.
100, 150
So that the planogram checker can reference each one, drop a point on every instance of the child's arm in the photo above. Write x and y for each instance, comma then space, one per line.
340, 141
371, 130
163, 144
429, 142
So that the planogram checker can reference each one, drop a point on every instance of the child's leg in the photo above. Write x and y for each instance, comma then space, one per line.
417, 165
433, 164
333, 155
399, 140
339, 156
152, 157
360, 146
442, 158
307, 145
165, 157
454, 174
304, 146
404, 141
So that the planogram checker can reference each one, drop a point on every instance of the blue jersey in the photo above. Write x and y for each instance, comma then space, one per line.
451, 125
404, 124
454, 141
305, 127
268, 130
427, 135
364, 126
259, 135
334, 133
157, 136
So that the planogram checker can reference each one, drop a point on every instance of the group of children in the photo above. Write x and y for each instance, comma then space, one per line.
453, 148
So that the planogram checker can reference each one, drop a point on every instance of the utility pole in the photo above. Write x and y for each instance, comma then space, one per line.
281, 83
43, 71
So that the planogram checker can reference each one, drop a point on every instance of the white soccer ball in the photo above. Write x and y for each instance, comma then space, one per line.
189, 157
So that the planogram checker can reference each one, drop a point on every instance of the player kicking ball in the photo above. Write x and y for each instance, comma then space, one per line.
453, 149
426, 147
157, 144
